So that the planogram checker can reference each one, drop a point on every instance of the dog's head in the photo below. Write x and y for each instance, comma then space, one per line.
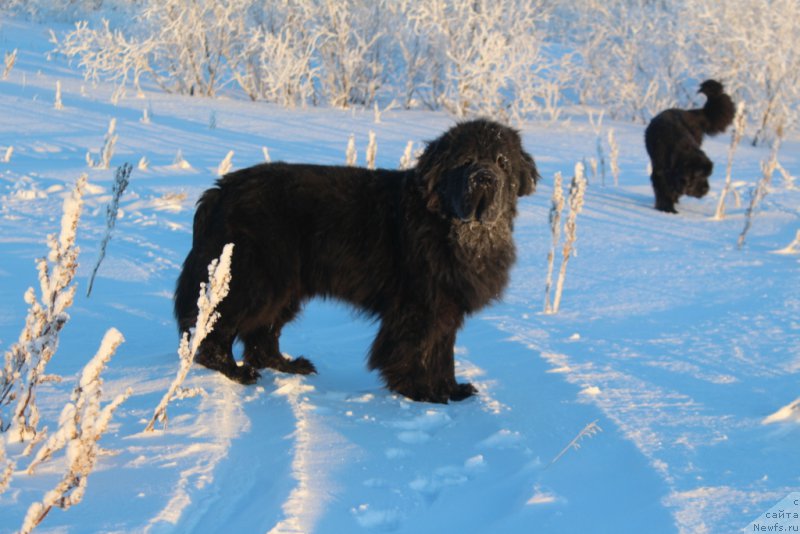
475, 171
696, 171
711, 88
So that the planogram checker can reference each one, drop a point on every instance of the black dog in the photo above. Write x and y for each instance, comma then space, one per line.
418, 249
673, 140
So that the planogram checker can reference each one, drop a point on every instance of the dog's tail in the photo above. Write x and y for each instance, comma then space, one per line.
206, 207
719, 111
195, 266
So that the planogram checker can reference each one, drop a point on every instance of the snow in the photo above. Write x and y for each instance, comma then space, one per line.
680, 346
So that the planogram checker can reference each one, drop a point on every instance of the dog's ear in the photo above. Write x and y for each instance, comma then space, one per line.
528, 175
429, 168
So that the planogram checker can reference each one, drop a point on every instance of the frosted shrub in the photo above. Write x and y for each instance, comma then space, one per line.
349, 33
82, 423
276, 65
211, 295
754, 50
736, 137
121, 180
480, 55
504, 58
26, 360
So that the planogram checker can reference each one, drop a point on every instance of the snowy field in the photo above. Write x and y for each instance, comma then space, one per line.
673, 341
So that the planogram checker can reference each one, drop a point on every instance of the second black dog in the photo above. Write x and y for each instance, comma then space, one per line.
673, 140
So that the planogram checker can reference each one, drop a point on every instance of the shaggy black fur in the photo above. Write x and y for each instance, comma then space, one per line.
417, 249
673, 140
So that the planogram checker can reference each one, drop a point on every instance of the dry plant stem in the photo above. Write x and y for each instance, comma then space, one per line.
6, 468
372, 150
351, 155
211, 295
791, 248
121, 181
556, 208
613, 156
576, 193
406, 160
58, 105
9, 61
736, 137
761, 188
82, 423
26, 360
588, 431
225, 165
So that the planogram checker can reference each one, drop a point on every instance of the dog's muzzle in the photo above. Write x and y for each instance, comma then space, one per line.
478, 198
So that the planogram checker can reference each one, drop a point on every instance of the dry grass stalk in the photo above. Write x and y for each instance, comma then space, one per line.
211, 295
736, 138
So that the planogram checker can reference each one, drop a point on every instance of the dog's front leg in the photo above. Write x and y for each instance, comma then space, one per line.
414, 354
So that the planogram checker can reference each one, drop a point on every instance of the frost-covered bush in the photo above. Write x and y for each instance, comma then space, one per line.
466, 57
510, 59
635, 58
27, 359
81, 424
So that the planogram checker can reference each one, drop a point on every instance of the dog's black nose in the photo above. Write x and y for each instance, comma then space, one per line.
482, 179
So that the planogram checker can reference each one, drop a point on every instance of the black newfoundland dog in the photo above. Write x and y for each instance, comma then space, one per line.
673, 140
418, 249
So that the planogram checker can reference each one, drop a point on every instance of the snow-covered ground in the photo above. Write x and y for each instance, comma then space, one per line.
674, 342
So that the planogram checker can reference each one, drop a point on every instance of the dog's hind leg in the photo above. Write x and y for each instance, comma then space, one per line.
216, 352
261, 346
665, 197
261, 351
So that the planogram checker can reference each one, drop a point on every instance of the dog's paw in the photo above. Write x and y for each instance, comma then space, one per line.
244, 374
463, 391
296, 366
299, 366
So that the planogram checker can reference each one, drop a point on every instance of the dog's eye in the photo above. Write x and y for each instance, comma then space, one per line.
502, 162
